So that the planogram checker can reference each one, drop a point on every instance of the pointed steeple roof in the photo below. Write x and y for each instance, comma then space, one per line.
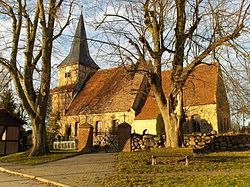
79, 52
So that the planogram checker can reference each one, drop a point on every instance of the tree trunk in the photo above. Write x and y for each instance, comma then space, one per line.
39, 140
173, 117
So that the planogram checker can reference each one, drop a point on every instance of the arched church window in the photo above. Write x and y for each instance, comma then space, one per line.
98, 127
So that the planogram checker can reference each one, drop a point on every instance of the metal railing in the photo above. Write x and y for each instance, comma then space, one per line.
64, 145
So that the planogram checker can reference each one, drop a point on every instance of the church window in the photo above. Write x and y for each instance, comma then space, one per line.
67, 74
114, 126
98, 127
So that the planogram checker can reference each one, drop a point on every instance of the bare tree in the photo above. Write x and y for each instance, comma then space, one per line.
34, 27
238, 87
5, 79
180, 34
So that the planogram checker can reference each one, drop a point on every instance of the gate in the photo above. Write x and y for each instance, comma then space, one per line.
105, 141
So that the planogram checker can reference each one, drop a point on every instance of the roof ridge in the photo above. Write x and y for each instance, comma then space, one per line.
113, 68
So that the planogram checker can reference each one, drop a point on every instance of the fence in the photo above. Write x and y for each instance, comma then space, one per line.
64, 145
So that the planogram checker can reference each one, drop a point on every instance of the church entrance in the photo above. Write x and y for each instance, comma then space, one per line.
105, 137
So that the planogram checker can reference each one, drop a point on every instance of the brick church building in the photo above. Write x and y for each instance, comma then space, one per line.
105, 98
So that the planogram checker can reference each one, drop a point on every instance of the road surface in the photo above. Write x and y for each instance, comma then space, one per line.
8, 180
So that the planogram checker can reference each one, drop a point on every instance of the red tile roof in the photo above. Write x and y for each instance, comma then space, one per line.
200, 89
106, 91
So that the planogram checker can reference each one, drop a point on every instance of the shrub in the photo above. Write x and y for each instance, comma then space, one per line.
53, 129
160, 127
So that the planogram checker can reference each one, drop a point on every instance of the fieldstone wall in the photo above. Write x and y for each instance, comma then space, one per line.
205, 141
215, 142
145, 142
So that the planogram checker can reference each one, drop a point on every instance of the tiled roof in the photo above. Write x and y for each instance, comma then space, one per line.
107, 90
200, 89
5, 115
69, 87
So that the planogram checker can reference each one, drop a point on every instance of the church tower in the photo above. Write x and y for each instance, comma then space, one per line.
78, 63
74, 70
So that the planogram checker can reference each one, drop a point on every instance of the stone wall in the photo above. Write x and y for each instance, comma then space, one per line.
145, 142
211, 142
215, 142
105, 119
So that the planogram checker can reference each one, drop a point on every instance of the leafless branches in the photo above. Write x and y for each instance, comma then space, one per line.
179, 33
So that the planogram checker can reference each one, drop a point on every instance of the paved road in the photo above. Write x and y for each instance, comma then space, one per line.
7, 180
80, 171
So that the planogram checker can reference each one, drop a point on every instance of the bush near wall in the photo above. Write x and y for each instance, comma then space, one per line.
213, 142
160, 127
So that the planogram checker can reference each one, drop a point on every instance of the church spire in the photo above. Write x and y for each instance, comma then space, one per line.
79, 52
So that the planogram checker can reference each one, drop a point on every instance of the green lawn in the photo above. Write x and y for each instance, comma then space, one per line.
22, 157
213, 169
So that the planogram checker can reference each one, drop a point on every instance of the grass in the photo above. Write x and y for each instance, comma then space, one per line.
213, 169
23, 158
181, 181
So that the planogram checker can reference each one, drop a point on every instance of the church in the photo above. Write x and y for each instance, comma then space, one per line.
105, 98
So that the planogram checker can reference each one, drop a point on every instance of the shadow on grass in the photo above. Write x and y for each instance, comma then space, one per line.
22, 158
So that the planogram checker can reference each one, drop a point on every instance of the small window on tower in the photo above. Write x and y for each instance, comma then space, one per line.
67, 74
